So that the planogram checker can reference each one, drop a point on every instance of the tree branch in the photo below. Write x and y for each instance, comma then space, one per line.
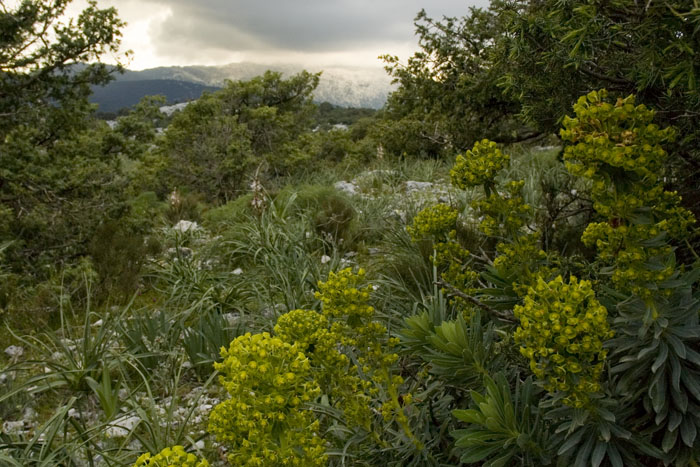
452, 290
602, 77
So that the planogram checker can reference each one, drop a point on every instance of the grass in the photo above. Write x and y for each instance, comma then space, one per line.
150, 360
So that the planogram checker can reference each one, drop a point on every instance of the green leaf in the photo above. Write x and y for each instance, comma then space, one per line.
675, 373
674, 420
691, 383
669, 440
500, 461
614, 456
598, 454
480, 453
657, 392
688, 431
661, 358
677, 345
469, 416
571, 442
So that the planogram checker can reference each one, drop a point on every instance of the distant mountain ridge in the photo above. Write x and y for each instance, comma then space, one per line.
343, 86
119, 94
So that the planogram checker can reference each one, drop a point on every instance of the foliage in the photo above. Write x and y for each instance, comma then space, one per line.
502, 426
212, 145
334, 216
264, 422
497, 72
50, 73
448, 96
543, 312
562, 330
329, 114
59, 175
619, 150
175, 456
478, 166
573, 331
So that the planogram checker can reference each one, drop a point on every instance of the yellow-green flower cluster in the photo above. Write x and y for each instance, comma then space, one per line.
503, 214
331, 368
609, 137
434, 222
437, 223
619, 149
342, 296
453, 262
170, 457
562, 330
345, 303
306, 328
264, 423
523, 259
624, 247
478, 166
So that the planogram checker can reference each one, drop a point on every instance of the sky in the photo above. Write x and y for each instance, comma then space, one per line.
305, 32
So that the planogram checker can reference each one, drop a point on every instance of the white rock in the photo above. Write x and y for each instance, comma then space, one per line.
98, 323
346, 187
237, 271
181, 251
13, 428
231, 318
412, 186
72, 413
199, 445
14, 351
122, 427
325, 259
29, 414
170, 109
545, 148
186, 226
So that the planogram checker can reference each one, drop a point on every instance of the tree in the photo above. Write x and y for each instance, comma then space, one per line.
551, 52
532, 59
59, 174
448, 95
215, 142
44, 78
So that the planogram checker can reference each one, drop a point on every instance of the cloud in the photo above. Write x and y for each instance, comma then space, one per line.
216, 31
310, 25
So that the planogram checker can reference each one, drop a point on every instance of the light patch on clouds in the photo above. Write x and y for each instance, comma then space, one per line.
307, 32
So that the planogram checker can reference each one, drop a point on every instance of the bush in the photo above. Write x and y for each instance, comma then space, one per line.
331, 212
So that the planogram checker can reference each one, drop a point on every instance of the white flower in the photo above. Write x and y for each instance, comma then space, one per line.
325, 259
573, 192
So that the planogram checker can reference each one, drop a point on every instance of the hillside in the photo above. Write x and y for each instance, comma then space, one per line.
119, 94
347, 87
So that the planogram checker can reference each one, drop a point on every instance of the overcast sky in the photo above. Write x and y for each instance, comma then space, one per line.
308, 32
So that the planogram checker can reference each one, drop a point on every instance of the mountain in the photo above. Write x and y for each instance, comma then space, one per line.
342, 86
119, 94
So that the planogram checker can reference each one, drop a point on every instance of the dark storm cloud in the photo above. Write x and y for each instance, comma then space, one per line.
301, 26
